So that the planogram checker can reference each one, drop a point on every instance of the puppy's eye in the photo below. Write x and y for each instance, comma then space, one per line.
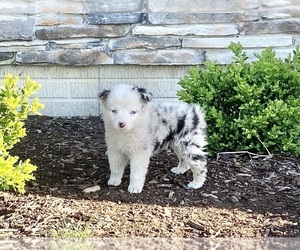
133, 112
114, 111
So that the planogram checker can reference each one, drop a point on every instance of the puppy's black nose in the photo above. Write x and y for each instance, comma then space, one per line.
122, 124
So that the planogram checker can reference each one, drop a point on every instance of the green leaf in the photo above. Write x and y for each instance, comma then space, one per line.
245, 101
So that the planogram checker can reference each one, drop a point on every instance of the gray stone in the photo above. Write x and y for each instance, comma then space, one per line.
224, 56
270, 27
61, 6
278, 3
247, 42
76, 31
84, 43
159, 57
6, 56
144, 43
82, 57
192, 18
273, 16
15, 46
111, 6
201, 6
17, 28
17, 7
62, 19
185, 30
114, 18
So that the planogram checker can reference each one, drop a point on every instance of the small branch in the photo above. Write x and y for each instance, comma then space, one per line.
195, 225
245, 152
270, 155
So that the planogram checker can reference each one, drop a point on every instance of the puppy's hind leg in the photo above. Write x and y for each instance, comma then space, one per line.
198, 167
117, 164
182, 166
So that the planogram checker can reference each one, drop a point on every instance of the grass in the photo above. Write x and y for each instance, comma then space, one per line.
68, 230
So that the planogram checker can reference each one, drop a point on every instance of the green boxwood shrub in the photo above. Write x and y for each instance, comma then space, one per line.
249, 106
15, 106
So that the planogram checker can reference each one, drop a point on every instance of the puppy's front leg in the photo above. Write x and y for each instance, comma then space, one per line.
117, 164
138, 169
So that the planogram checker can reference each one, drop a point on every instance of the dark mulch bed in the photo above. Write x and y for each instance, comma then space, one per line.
244, 196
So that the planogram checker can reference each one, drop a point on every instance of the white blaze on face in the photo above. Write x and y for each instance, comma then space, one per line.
124, 107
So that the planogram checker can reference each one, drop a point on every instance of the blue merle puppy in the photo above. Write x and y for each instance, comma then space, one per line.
136, 129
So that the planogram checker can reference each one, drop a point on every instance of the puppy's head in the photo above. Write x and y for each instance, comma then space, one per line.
124, 106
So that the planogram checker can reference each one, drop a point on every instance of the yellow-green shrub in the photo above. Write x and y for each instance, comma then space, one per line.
15, 106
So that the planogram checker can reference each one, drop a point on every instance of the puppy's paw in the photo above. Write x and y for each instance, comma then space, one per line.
195, 185
114, 182
178, 170
135, 189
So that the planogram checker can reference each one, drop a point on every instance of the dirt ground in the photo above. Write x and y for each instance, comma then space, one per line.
244, 196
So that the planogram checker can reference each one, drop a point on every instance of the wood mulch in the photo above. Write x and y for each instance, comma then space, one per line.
244, 196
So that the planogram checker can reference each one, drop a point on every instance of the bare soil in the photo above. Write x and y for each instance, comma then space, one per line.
243, 196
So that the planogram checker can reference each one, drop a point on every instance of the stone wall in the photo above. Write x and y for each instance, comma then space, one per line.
77, 47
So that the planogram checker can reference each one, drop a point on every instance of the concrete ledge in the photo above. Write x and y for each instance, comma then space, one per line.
152, 243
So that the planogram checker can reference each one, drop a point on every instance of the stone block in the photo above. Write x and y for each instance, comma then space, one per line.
224, 56
71, 107
123, 72
52, 72
15, 46
297, 40
114, 18
144, 43
19, 7
61, 6
247, 42
278, 3
274, 16
6, 57
83, 57
159, 57
201, 6
186, 30
111, 6
85, 88
81, 31
270, 27
220, 56
55, 88
16, 28
83, 43
197, 18
160, 88
54, 19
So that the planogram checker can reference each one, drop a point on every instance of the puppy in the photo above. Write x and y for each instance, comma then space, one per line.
136, 128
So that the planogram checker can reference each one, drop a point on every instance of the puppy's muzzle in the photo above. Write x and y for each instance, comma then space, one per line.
121, 124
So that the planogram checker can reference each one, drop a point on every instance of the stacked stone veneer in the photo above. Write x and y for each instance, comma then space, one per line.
77, 47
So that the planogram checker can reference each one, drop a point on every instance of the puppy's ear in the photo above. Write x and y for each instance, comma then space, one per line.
146, 96
104, 94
